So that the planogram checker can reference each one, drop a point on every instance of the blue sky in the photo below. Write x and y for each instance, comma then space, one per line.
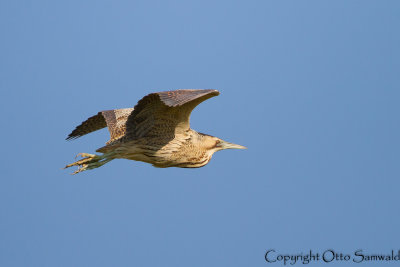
310, 87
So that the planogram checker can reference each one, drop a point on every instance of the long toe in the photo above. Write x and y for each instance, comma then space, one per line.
86, 155
89, 161
87, 158
80, 169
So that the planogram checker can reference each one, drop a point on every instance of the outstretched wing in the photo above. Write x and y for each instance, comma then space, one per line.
115, 120
165, 114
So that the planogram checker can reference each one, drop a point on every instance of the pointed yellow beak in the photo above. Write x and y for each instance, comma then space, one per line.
227, 145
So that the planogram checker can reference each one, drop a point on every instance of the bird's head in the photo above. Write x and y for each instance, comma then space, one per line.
214, 144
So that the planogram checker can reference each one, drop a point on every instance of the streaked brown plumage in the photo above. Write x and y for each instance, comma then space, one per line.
155, 131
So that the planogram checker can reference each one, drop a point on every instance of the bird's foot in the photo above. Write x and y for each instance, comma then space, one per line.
88, 161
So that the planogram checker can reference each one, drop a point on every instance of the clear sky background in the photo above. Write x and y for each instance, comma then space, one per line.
310, 87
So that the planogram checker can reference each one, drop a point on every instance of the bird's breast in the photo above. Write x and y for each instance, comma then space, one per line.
179, 152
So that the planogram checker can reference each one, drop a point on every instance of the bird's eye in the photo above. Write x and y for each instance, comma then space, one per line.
217, 142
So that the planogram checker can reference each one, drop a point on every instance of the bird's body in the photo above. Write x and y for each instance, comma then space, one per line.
156, 131
188, 150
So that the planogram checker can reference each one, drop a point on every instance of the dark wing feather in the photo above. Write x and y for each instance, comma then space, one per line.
115, 120
92, 124
181, 97
164, 114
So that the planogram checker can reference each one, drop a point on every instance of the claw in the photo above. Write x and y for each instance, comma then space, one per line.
89, 161
83, 163
80, 169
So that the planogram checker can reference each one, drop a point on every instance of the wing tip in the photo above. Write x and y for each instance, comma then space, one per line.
214, 91
189, 89
72, 137
181, 96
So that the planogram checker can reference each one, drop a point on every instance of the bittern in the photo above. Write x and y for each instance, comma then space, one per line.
155, 131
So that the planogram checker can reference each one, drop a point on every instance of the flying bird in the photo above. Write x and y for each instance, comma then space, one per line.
156, 131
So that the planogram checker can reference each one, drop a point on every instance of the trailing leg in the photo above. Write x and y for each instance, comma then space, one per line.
90, 161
